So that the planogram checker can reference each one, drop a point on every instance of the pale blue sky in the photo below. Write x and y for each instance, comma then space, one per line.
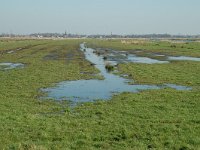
100, 16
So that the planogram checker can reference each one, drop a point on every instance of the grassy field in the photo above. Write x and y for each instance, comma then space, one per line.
145, 46
154, 119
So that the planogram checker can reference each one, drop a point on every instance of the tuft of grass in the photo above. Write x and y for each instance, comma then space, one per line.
109, 67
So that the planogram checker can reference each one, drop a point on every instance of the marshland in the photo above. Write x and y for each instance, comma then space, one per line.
116, 94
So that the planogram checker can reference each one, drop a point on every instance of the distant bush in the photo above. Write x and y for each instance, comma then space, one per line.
173, 46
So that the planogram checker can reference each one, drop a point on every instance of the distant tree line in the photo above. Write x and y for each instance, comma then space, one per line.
60, 35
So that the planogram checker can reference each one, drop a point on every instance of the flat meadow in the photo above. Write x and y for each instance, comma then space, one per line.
151, 119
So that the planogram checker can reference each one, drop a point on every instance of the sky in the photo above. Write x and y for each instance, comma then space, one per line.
100, 16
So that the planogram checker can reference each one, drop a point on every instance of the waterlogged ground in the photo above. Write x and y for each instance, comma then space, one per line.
90, 90
184, 58
151, 119
115, 57
8, 66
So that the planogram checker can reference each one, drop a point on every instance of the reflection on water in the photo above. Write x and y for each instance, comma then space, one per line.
89, 90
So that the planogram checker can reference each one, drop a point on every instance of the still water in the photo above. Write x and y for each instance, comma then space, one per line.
90, 90
8, 66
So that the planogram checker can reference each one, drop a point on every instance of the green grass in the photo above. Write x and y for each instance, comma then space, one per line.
13, 44
176, 72
154, 119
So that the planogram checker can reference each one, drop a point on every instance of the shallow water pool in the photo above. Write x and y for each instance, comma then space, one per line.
90, 90
8, 66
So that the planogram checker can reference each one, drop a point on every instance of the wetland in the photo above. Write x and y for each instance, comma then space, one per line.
159, 117
90, 90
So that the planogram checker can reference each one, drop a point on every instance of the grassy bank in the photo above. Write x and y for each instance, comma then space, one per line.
154, 119
176, 72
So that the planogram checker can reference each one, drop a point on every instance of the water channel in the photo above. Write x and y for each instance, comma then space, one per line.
90, 90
